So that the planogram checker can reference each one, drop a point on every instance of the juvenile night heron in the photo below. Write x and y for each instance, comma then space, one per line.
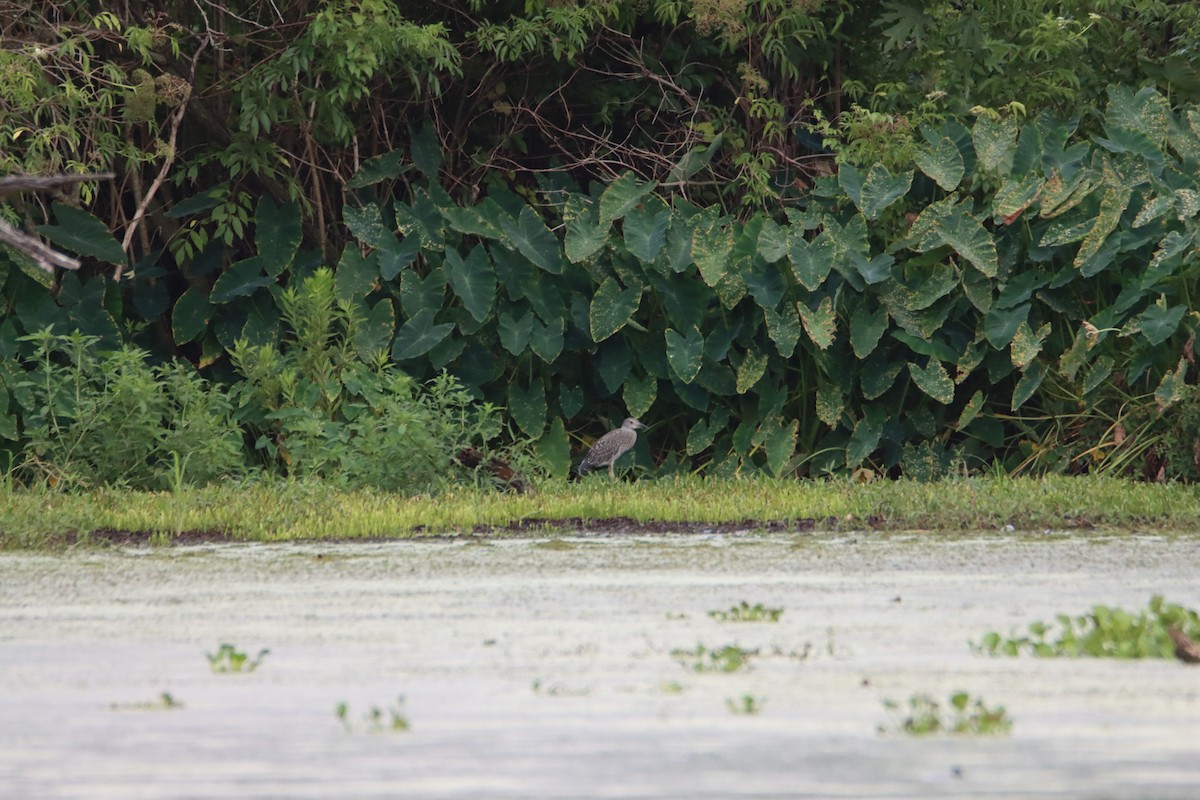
611, 446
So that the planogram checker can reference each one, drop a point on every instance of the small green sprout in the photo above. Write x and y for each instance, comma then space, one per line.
229, 659
375, 720
729, 658
747, 704
744, 612
964, 716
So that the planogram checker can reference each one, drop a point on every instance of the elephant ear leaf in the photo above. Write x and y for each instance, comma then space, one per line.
81, 233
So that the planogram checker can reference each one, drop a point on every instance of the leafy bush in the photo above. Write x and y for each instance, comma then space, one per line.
95, 417
324, 407
1102, 633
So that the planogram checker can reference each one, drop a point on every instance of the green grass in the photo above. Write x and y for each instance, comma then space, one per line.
963, 715
298, 510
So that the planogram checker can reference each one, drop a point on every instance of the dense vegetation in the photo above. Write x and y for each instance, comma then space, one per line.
799, 237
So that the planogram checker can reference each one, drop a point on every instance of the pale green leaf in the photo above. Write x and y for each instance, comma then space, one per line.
750, 371
866, 328
639, 394
473, 280
621, 196
943, 162
970, 410
712, 241
645, 229
612, 307
995, 141
820, 323
534, 240
783, 328
811, 260
933, 380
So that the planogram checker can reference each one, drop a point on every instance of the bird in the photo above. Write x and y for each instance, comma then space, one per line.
611, 446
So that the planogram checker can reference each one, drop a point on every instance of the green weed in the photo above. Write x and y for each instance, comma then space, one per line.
744, 612
729, 658
1101, 633
964, 715
229, 659
165, 702
375, 719
747, 704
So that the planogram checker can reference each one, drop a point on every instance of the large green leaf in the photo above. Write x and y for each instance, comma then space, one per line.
612, 307
374, 331
276, 234
783, 328
685, 352
527, 406
482, 220
378, 168
943, 162
639, 394
811, 261
419, 335
829, 404
396, 254
865, 439
1016, 195
473, 280
881, 189
866, 328
357, 275
584, 236
1145, 111
1172, 387
712, 241
554, 450
83, 234
1112, 206
765, 284
426, 151
365, 222
1000, 325
695, 160
1158, 322
933, 380
772, 241
645, 229
995, 141
1027, 343
621, 196
547, 341
1030, 379
970, 410
820, 324
240, 280
190, 317
534, 240
418, 294
949, 223
779, 443
750, 371
515, 331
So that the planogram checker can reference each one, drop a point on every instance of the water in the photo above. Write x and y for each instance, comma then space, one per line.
536, 671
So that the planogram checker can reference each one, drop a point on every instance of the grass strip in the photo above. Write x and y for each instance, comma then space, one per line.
312, 510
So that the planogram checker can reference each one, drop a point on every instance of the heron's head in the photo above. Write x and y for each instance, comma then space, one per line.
631, 424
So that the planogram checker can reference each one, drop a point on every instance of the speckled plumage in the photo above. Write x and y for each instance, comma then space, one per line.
611, 446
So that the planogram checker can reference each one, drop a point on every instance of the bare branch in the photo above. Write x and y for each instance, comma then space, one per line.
45, 256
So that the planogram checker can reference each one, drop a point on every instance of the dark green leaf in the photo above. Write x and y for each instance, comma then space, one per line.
276, 234
866, 328
357, 275
864, 440
196, 203
547, 341
190, 317
765, 284
473, 280
374, 331
534, 240
1158, 322
695, 160
685, 352
418, 294
240, 280
83, 234
426, 151
378, 168
1031, 378
418, 336
1000, 325
527, 406
584, 236
783, 328
639, 394
780, 444
515, 332
395, 254
554, 450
